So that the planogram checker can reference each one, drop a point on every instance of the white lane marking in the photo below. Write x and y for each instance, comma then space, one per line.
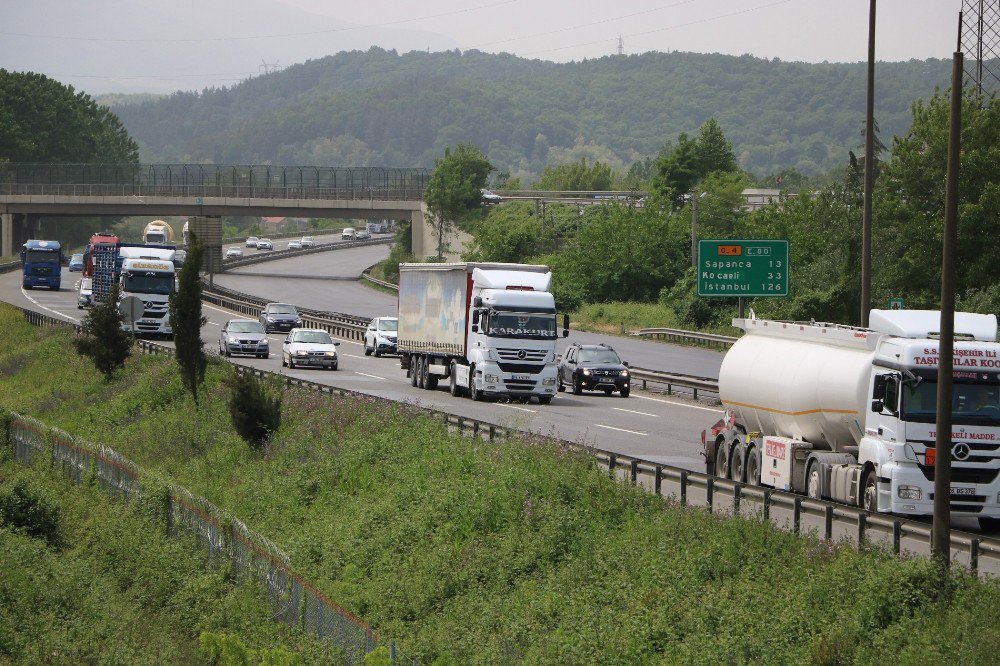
632, 411
55, 312
523, 409
680, 404
631, 432
363, 374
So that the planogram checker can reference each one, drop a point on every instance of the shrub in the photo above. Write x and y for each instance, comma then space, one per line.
26, 510
103, 340
255, 412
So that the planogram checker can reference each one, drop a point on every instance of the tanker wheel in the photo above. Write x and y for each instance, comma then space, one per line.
753, 467
544, 399
869, 497
737, 465
722, 460
814, 481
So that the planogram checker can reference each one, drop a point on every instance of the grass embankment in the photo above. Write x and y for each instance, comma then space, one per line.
101, 583
505, 553
619, 317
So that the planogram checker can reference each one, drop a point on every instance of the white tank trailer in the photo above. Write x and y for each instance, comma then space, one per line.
848, 414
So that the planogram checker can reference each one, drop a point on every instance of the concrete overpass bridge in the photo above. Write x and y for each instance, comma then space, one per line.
31, 191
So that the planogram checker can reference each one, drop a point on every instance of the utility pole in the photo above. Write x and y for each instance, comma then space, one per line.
866, 218
694, 232
941, 525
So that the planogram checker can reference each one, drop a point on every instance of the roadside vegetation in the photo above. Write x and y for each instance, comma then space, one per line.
512, 552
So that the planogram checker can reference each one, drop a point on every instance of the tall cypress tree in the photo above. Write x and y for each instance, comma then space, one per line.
186, 320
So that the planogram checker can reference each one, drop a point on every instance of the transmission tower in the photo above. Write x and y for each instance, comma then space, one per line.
979, 39
621, 45
268, 67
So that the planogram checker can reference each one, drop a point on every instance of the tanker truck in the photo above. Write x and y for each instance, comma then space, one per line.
488, 328
848, 414
157, 232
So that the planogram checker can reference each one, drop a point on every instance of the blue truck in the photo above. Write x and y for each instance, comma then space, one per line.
41, 262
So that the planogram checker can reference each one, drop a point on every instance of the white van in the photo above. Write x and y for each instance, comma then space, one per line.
349, 233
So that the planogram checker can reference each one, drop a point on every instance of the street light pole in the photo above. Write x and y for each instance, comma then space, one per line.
866, 218
694, 232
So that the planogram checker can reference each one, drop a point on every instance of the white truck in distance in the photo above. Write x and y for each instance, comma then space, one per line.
848, 414
157, 232
490, 329
152, 281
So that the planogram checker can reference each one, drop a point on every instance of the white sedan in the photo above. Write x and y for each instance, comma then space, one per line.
309, 347
234, 253
294, 245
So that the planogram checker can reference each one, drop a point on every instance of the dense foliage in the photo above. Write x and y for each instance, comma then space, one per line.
508, 552
454, 192
383, 109
615, 253
254, 410
102, 338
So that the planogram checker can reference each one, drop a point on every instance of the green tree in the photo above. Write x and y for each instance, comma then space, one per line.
677, 172
186, 320
42, 120
577, 177
102, 337
510, 233
454, 192
255, 412
714, 151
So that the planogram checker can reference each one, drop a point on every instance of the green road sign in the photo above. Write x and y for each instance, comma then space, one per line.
897, 304
734, 268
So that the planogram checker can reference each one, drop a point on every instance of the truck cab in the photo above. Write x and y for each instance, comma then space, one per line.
152, 281
41, 264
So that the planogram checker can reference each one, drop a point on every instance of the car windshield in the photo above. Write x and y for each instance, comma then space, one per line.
321, 337
252, 238
529, 325
76, 257
599, 356
149, 283
388, 325
282, 309
971, 403
245, 327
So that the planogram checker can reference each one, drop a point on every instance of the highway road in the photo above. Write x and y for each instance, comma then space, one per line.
660, 428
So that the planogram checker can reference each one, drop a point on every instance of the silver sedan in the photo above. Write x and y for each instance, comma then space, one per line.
243, 336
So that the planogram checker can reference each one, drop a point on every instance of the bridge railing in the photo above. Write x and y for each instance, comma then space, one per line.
213, 180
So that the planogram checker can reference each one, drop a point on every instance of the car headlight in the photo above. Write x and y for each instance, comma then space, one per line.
549, 381
270, 317
586, 371
301, 353
332, 354
233, 341
624, 373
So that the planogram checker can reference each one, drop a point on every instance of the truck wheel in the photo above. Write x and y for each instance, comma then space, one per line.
413, 371
474, 393
814, 481
869, 494
561, 386
737, 463
753, 467
577, 386
544, 399
722, 460
452, 382
430, 381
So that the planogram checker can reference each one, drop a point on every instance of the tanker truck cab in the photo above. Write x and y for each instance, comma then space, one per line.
152, 281
848, 414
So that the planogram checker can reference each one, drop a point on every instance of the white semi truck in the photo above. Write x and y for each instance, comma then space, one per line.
157, 232
848, 414
489, 328
152, 281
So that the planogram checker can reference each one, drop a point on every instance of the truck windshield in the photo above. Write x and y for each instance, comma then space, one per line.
529, 325
149, 283
971, 403
40, 257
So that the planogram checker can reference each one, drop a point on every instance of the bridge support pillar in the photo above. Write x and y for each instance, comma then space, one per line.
6, 234
419, 233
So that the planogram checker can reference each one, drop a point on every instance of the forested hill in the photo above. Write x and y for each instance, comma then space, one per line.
383, 109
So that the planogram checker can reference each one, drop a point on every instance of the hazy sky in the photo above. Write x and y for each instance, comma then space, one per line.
151, 45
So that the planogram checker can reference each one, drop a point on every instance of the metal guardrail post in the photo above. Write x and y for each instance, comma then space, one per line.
974, 556
862, 527
711, 488
828, 527
684, 489
897, 529
634, 470
796, 515
612, 464
736, 499
657, 479
767, 505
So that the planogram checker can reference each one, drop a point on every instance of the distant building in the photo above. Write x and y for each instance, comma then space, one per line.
758, 198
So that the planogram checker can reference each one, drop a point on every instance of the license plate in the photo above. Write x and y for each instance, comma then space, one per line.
521, 377
963, 491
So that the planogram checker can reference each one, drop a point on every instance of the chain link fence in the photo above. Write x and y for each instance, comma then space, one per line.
227, 539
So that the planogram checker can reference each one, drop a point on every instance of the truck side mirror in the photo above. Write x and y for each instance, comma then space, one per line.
477, 302
878, 390
565, 325
877, 406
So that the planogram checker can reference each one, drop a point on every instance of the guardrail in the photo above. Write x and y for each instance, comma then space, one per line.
724, 341
672, 380
272, 255
828, 520
10, 267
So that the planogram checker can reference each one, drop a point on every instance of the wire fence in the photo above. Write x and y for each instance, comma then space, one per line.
226, 538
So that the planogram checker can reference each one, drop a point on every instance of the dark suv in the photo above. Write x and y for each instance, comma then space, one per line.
593, 368
280, 317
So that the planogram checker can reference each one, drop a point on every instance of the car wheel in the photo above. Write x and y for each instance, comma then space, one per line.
284, 362
333, 367
544, 399
291, 362
377, 353
261, 355
560, 386
624, 392
226, 352
577, 386
608, 391
368, 350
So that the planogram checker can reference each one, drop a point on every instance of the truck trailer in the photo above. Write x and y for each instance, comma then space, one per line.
848, 414
41, 264
488, 328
